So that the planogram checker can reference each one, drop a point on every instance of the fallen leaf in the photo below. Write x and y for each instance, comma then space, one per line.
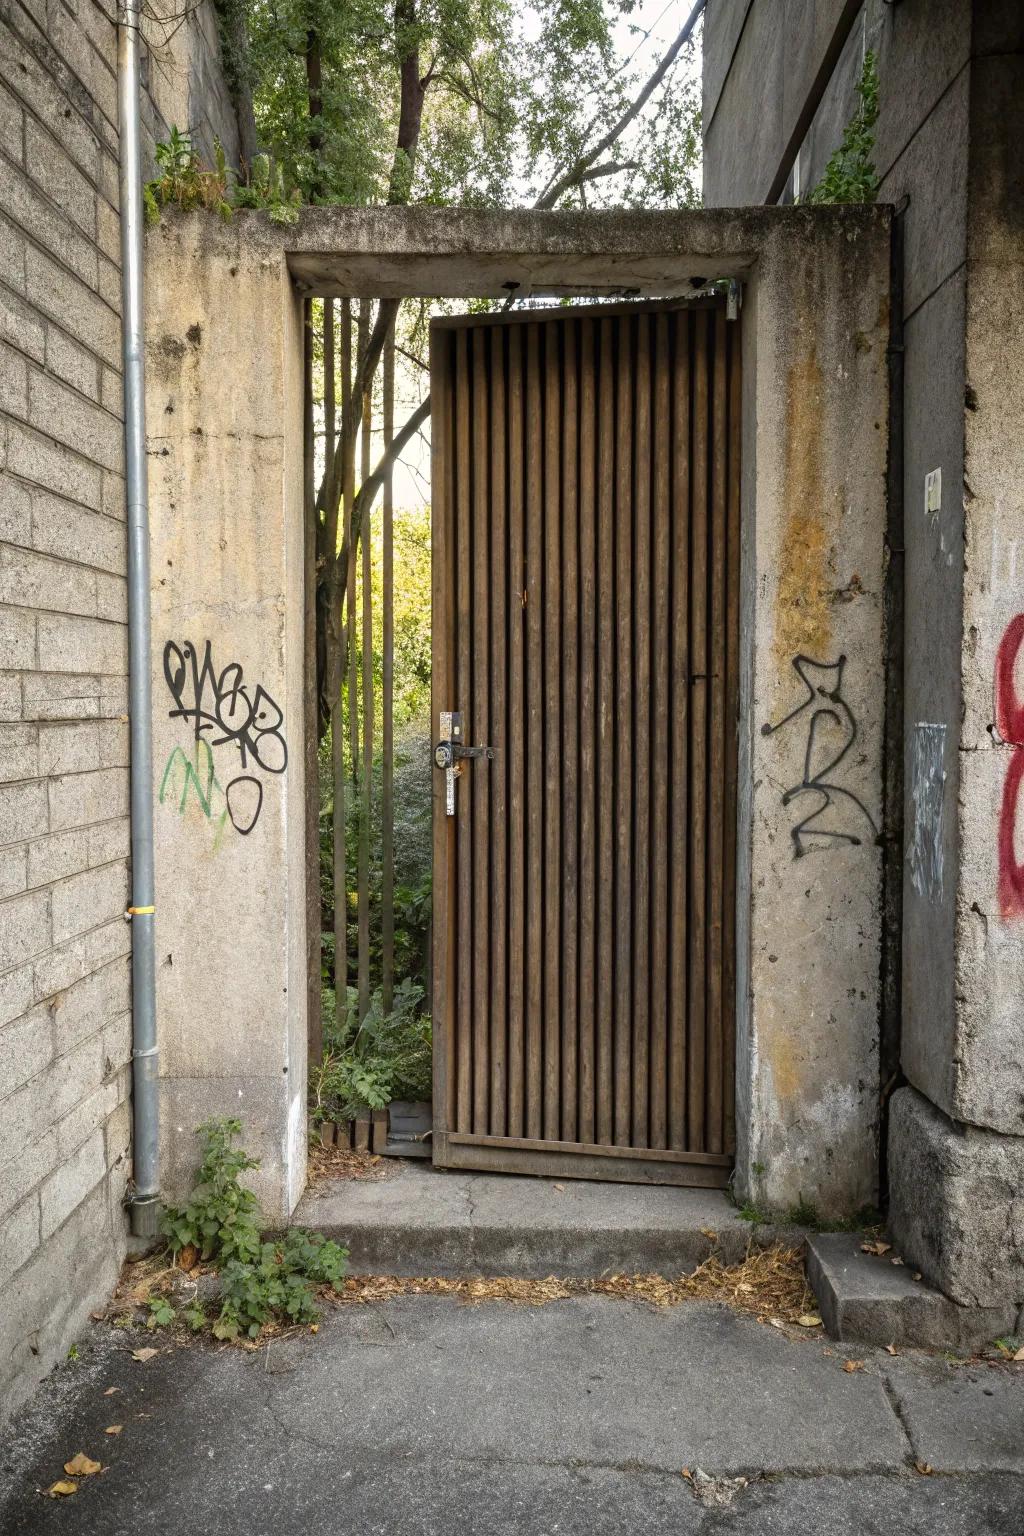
188, 1257
924, 1467
1019, 1354
144, 1354
891, 1349
314, 1327
853, 1365
712, 1237
62, 1489
829, 1352
559, 1187
809, 1320
113, 1429
110, 1391
97, 1317
776, 1322
897, 1260
82, 1465
687, 1474
876, 1248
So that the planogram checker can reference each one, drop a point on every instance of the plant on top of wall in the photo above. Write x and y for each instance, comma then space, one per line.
185, 182
260, 1282
850, 175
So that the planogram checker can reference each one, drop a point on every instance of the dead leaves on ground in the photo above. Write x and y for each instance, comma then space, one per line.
80, 1465
769, 1283
142, 1355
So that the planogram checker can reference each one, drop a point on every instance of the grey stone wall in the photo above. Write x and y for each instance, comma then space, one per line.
65, 1028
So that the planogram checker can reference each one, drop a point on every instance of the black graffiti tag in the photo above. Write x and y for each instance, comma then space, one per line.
224, 710
820, 759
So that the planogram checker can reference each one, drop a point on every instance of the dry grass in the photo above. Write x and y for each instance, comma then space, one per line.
340, 1163
769, 1283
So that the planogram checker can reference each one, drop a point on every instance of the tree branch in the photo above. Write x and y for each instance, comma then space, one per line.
576, 173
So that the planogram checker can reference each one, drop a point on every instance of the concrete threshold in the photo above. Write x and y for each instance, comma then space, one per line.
428, 1222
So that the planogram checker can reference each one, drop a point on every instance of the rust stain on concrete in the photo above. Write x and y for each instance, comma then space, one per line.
803, 621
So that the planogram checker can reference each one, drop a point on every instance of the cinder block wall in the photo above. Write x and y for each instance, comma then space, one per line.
65, 1027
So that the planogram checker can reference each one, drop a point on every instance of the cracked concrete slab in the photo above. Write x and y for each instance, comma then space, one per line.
963, 1418
424, 1415
430, 1222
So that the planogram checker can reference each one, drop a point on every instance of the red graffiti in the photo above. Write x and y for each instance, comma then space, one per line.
1010, 724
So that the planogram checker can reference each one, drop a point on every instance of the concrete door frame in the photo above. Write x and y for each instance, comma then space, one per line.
815, 331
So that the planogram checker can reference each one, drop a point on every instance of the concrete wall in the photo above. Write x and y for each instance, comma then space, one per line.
65, 1035
224, 415
950, 113
815, 326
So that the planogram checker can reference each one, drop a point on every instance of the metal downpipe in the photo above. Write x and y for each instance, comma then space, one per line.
145, 1204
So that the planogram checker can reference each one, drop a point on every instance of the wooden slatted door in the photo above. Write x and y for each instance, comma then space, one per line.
586, 549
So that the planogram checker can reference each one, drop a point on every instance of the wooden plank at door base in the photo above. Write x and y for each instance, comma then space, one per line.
585, 495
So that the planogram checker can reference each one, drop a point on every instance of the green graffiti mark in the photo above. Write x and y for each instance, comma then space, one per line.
198, 781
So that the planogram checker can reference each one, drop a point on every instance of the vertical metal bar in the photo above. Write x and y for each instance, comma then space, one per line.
387, 795
366, 788
145, 1208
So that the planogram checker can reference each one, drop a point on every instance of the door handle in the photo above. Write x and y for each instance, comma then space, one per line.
450, 750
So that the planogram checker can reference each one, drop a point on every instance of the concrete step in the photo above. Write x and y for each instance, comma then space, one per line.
866, 1297
427, 1222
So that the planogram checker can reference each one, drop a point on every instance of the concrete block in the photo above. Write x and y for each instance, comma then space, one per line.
19, 1237
22, 201
964, 1421
10, 696
61, 528
865, 1297
22, 811
19, 751
69, 644
56, 857
24, 928
109, 841
86, 1006
72, 363
54, 93
15, 511
88, 1117
69, 747
113, 496
18, 1128
59, 295
19, 323
957, 1203
28, 580
60, 178
12, 127
111, 597
52, 466
12, 256
26, 1047
61, 696
108, 231
82, 798
16, 994
65, 415
87, 900
49, 1301
13, 382
17, 638
13, 871
112, 392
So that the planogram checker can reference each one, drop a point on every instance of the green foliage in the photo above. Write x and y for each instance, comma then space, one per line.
220, 1218
259, 1280
850, 175
185, 182
368, 1065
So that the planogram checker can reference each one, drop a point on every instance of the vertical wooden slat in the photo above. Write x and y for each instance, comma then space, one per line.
476, 726
337, 710
534, 603
661, 650
312, 537
696, 1023
366, 788
732, 628
606, 587
496, 770
587, 396
680, 736
387, 788
462, 701
442, 680
552, 733
623, 730
516, 786
569, 756
716, 741
641, 739
355, 407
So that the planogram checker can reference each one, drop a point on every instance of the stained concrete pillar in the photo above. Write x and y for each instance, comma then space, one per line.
957, 1132
224, 416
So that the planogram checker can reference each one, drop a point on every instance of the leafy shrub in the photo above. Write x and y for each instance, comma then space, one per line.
850, 175
367, 1065
259, 1280
184, 182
